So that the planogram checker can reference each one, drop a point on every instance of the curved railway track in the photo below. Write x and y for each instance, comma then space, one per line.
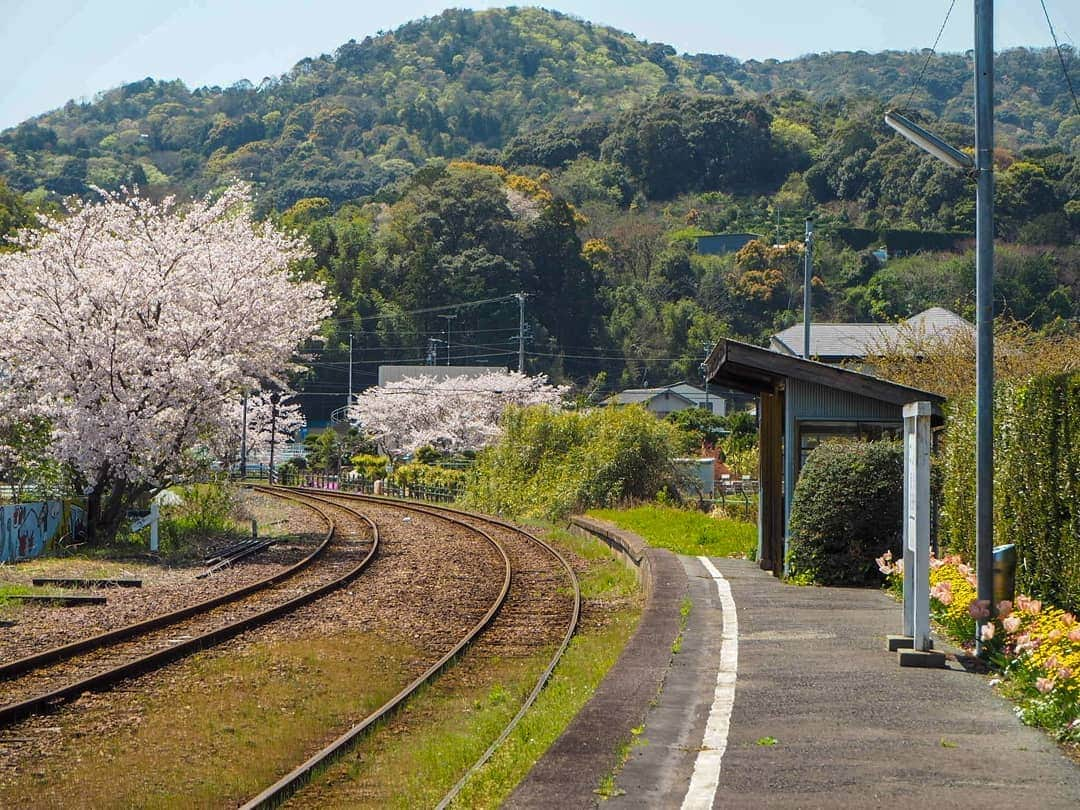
34, 683
520, 550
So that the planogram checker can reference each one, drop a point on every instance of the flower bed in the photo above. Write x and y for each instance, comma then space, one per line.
1036, 648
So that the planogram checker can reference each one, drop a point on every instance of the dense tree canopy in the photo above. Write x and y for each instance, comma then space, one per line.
473, 156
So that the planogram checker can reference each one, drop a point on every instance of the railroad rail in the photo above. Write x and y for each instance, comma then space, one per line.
291, 782
38, 676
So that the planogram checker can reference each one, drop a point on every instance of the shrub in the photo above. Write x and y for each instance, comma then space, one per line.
427, 475
550, 463
369, 466
847, 512
205, 514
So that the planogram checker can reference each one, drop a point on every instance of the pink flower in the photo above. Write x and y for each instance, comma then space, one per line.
1011, 624
1074, 634
1054, 635
1004, 608
935, 563
898, 566
964, 569
1065, 673
1044, 685
987, 631
1051, 662
1024, 643
1027, 604
1068, 619
979, 609
884, 565
942, 592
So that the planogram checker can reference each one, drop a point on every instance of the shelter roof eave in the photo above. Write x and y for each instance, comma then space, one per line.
757, 370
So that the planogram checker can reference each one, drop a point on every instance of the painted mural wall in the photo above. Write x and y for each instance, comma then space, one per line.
28, 529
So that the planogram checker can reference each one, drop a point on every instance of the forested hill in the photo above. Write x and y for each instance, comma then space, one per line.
344, 125
477, 155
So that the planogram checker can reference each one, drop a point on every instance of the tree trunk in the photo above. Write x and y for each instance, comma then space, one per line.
106, 508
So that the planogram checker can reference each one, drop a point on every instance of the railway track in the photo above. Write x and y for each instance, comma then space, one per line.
34, 683
528, 575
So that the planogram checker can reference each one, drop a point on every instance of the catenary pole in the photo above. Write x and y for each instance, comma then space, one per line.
984, 302
808, 275
243, 439
521, 332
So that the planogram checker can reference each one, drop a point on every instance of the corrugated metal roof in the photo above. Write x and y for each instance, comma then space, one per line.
854, 340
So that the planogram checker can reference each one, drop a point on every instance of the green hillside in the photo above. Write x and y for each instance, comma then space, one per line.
477, 154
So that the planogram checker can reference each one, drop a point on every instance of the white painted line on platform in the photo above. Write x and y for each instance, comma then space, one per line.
706, 778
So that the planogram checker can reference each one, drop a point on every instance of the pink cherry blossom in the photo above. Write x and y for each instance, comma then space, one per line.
132, 324
455, 413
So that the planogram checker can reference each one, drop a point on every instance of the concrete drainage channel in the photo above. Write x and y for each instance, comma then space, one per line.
570, 771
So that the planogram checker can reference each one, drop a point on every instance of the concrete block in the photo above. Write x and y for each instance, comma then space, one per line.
930, 659
903, 643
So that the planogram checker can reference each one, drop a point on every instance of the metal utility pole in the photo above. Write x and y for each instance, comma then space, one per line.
348, 402
273, 433
243, 440
521, 332
705, 373
984, 304
808, 275
449, 318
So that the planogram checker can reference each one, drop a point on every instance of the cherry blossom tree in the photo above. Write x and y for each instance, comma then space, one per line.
264, 420
451, 413
131, 324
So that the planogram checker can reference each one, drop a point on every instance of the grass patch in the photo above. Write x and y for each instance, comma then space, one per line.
684, 531
441, 733
221, 729
684, 617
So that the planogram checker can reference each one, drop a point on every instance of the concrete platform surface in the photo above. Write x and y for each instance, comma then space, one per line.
851, 727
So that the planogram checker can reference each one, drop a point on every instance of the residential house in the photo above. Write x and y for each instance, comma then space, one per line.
841, 342
672, 398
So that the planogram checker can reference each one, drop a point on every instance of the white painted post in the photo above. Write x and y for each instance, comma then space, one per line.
155, 514
917, 523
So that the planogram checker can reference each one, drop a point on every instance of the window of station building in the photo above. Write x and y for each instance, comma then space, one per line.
811, 434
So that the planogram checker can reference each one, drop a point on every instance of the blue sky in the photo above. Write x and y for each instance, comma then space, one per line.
55, 50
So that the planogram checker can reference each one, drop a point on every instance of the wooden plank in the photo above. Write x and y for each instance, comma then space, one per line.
68, 600
83, 582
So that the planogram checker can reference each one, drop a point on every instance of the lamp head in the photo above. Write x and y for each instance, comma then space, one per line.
928, 141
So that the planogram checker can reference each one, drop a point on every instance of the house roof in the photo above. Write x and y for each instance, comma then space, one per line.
752, 368
856, 340
632, 396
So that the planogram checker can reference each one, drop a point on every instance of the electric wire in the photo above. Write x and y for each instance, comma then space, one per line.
1061, 57
933, 49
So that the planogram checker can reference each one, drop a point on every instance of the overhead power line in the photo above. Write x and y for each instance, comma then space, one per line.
926, 64
1061, 57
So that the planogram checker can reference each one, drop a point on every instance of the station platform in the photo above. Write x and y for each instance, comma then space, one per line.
810, 710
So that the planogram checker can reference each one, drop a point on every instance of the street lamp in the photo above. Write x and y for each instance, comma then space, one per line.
928, 141
983, 165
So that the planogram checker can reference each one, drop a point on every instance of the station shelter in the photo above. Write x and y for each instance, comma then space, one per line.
802, 403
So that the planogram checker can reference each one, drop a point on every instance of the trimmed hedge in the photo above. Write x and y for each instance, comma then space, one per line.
847, 512
1037, 483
